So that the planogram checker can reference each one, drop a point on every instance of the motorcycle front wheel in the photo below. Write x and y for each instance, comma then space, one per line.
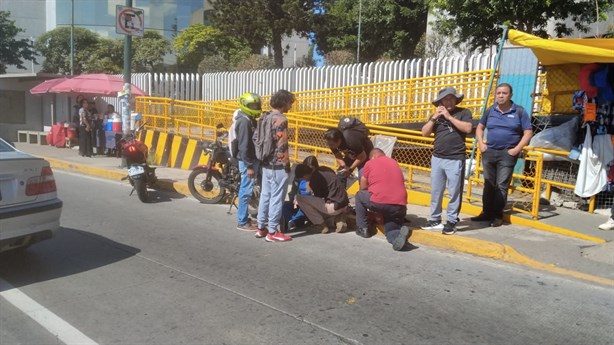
207, 192
141, 190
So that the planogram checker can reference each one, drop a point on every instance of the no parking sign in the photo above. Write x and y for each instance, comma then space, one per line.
129, 21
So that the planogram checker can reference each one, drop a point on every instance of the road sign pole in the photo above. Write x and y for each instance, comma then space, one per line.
127, 85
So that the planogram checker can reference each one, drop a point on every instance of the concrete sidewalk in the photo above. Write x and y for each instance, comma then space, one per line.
569, 256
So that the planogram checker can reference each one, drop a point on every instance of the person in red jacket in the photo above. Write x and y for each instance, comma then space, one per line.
382, 190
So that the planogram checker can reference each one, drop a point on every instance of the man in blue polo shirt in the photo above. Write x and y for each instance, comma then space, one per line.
509, 130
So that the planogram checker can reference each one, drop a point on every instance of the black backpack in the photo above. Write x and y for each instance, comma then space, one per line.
354, 124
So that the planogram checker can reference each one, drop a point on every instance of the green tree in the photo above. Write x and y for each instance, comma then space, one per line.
264, 22
389, 28
476, 21
54, 46
149, 51
13, 51
340, 57
254, 62
214, 64
199, 41
106, 56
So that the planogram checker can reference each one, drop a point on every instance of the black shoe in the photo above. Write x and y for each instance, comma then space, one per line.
497, 222
362, 232
483, 217
449, 228
401, 239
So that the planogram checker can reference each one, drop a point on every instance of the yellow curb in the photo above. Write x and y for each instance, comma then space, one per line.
85, 169
497, 251
423, 199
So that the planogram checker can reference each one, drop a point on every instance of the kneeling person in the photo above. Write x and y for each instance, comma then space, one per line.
329, 198
383, 191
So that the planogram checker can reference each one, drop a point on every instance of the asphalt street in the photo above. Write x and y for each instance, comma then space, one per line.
177, 272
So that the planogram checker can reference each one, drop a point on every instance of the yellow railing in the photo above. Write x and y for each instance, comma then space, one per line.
380, 104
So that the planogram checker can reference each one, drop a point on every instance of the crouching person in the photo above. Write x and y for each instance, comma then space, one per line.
382, 190
329, 198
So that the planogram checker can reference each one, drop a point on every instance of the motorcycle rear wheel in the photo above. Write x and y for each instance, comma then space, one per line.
207, 193
141, 190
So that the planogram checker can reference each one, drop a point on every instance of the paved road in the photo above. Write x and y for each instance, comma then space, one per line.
176, 272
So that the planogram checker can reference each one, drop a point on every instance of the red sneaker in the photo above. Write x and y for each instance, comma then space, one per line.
277, 237
260, 233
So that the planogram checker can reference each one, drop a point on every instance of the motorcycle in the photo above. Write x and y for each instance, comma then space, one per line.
220, 178
140, 175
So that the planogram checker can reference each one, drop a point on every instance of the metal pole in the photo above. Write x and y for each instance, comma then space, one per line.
359, 27
490, 84
72, 37
32, 61
127, 85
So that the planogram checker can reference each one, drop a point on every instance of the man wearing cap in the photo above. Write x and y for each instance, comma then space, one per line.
451, 124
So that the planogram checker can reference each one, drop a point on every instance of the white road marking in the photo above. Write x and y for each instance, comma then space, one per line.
61, 329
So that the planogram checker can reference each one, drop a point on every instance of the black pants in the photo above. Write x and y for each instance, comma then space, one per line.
498, 170
394, 215
85, 142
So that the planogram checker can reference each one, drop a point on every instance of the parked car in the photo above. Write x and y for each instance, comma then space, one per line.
29, 207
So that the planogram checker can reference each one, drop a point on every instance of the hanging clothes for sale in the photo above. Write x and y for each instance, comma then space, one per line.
592, 175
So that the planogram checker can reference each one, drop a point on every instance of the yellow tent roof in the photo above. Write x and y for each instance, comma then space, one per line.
566, 50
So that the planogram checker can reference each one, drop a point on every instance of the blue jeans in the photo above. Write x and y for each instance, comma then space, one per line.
245, 192
272, 195
291, 215
450, 173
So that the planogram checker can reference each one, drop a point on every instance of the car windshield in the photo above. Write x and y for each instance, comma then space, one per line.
5, 147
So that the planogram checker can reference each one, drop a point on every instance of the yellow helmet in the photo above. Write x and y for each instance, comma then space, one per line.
250, 104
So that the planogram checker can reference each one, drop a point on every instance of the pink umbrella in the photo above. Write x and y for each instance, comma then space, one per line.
98, 84
45, 86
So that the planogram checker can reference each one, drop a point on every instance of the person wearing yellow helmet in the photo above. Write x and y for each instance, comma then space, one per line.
242, 148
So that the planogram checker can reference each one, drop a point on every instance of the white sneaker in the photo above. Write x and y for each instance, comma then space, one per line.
433, 225
609, 225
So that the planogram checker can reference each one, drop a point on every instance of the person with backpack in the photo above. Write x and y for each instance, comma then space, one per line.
271, 146
350, 144
242, 148
451, 124
509, 130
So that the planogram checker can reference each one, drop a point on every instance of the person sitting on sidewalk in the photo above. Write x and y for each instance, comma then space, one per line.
292, 214
382, 190
329, 198
451, 124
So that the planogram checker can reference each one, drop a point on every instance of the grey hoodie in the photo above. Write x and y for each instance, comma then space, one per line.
244, 130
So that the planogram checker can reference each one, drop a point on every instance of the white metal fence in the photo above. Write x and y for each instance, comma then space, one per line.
228, 85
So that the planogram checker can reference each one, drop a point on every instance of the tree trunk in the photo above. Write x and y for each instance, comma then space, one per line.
278, 51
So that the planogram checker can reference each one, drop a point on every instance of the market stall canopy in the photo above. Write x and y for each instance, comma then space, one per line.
97, 84
45, 86
566, 50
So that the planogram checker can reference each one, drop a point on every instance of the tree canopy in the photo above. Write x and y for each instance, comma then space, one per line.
199, 41
149, 51
389, 28
476, 21
13, 51
94, 54
263, 23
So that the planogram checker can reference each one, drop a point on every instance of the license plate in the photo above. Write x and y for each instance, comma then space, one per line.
136, 170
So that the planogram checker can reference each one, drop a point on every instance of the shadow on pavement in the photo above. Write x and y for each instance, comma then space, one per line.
69, 252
